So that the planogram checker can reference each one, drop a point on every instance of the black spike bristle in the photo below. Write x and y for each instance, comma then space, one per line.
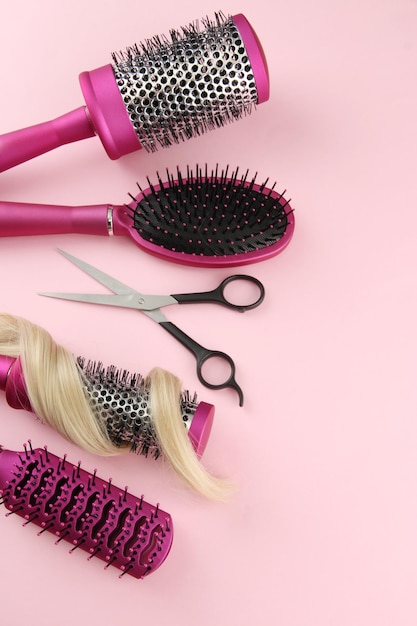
172, 89
107, 522
121, 403
216, 214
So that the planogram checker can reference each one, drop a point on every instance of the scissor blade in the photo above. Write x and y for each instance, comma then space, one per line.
108, 281
127, 301
111, 300
131, 300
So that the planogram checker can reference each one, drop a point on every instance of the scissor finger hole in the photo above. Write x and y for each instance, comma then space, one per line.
242, 292
216, 370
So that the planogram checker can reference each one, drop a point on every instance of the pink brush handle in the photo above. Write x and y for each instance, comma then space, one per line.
105, 115
20, 219
13, 383
6, 363
22, 145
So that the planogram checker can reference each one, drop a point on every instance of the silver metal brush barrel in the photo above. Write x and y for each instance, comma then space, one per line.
122, 404
197, 80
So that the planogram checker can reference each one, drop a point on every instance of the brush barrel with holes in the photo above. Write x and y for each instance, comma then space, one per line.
105, 410
121, 403
76, 506
157, 93
204, 217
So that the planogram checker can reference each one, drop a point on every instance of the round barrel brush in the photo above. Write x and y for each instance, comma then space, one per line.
105, 410
157, 93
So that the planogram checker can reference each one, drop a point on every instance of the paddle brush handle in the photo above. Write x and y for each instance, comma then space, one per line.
21, 219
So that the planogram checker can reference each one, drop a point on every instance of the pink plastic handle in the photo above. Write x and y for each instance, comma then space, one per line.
20, 219
108, 113
13, 384
6, 363
25, 144
105, 115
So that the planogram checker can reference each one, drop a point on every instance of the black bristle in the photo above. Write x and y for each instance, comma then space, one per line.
121, 403
168, 100
220, 213
81, 508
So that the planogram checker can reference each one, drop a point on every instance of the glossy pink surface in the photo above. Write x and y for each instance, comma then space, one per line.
22, 145
6, 363
107, 112
256, 56
200, 429
23, 219
13, 384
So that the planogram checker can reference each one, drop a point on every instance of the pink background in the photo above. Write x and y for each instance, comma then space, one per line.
322, 526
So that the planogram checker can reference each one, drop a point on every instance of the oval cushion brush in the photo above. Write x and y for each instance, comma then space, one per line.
203, 218
79, 507
157, 93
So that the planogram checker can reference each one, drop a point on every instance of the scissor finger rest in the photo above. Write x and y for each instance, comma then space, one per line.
202, 355
219, 295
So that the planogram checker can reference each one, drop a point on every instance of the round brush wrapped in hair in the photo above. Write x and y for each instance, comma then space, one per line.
159, 92
103, 410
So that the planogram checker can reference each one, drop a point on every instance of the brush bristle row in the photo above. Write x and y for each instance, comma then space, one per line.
122, 403
79, 507
213, 213
180, 87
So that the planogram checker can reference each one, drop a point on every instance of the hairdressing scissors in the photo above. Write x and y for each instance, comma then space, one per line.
150, 305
